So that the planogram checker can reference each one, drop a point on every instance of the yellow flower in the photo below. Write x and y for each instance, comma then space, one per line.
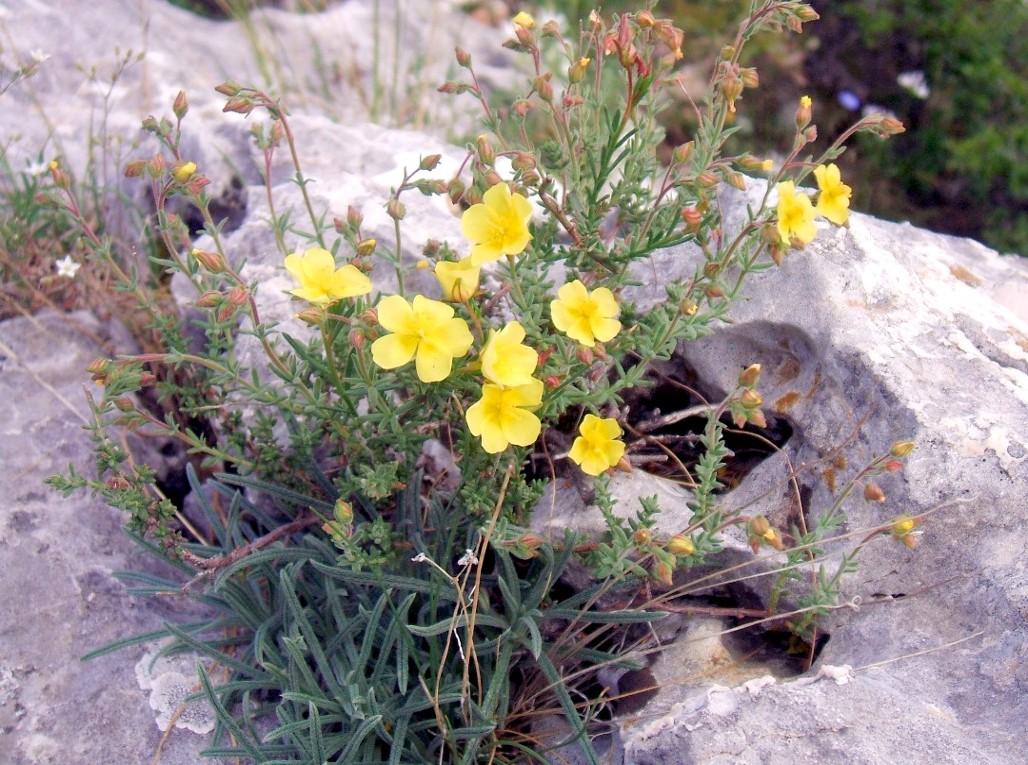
498, 225
597, 449
795, 215
806, 102
501, 417
459, 280
506, 360
834, 200
525, 19
426, 331
183, 171
585, 316
320, 281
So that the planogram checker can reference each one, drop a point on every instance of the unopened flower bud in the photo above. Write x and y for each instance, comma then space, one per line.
312, 315
180, 106
455, 190
212, 261
735, 180
662, 573
525, 36
530, 541
683, 152
571, 100
117, 482
749, 376
552, 382
893, 466
806, 13
135, 168
396, 209
902, 449
353, 218
357, 338
99, 367
183, 171
692, 217
238, 295
890, 126
902, 530
872, 493
688, 307
810, 134
524, 20
585, 355
731, 88
229, 88
522, 161
208, 299
463, 57
343, 512
803, 113
714, 291
486, 152
543, 87
522, 107
365, 247
750, 399
239, 105
749, 77
59, 177
680, 545
124, 404
550, 29
642, 537
707, 179
576, 73
430, 162
492, 178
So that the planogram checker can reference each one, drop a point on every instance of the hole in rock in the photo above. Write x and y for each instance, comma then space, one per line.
667, 418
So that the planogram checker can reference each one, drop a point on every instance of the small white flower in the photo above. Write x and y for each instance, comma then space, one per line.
67, 266
419, 558
468, 559
914, 83
36, 169
38, 56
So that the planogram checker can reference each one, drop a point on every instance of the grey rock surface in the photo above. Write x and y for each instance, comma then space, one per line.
875, 334
58, 598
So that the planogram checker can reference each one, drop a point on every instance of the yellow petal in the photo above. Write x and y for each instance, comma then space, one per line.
433, 363
395, 314
521, 427
604, 329
392, 351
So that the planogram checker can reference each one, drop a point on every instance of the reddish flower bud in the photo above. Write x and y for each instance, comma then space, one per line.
180, 105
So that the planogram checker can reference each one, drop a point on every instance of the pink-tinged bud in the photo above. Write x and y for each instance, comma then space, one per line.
238, 295
396, 209
683, 152
585, 355
893, 466
692, 217
662, 573
903, 528
212, 261
124, 404
58, 176
777, 253
576, 73
680, 545
712, 269
749, 376
353, 218
147, 379
151, 125
756, 417
343, 512
543, 87
570, 101
100, 367
642, 538
492, 178
365, 247
531, 541
525, 36
735, 180
452, 88
135, 168
229, 88
357, 339
183, 171
209, 299
794, 24
550, 29
370, 316
762, 532
463, 57
890, 126
238, 105
707, 179
455, 189
749, 163
522, 107
430, 162
180, 106
872, 493
225, 313
117, 482
810, 133
623, 466
731, 88
530, 178
750, 78
645, 19
486, 152
714, 292
522, 161
552, 382
902, 449
312, 315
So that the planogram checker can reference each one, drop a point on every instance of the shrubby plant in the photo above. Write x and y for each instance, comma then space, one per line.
380, 604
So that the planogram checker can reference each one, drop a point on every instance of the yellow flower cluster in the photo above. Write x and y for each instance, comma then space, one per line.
429, 332
796, 212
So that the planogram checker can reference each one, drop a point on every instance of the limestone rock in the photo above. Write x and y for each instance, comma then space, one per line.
59, 599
